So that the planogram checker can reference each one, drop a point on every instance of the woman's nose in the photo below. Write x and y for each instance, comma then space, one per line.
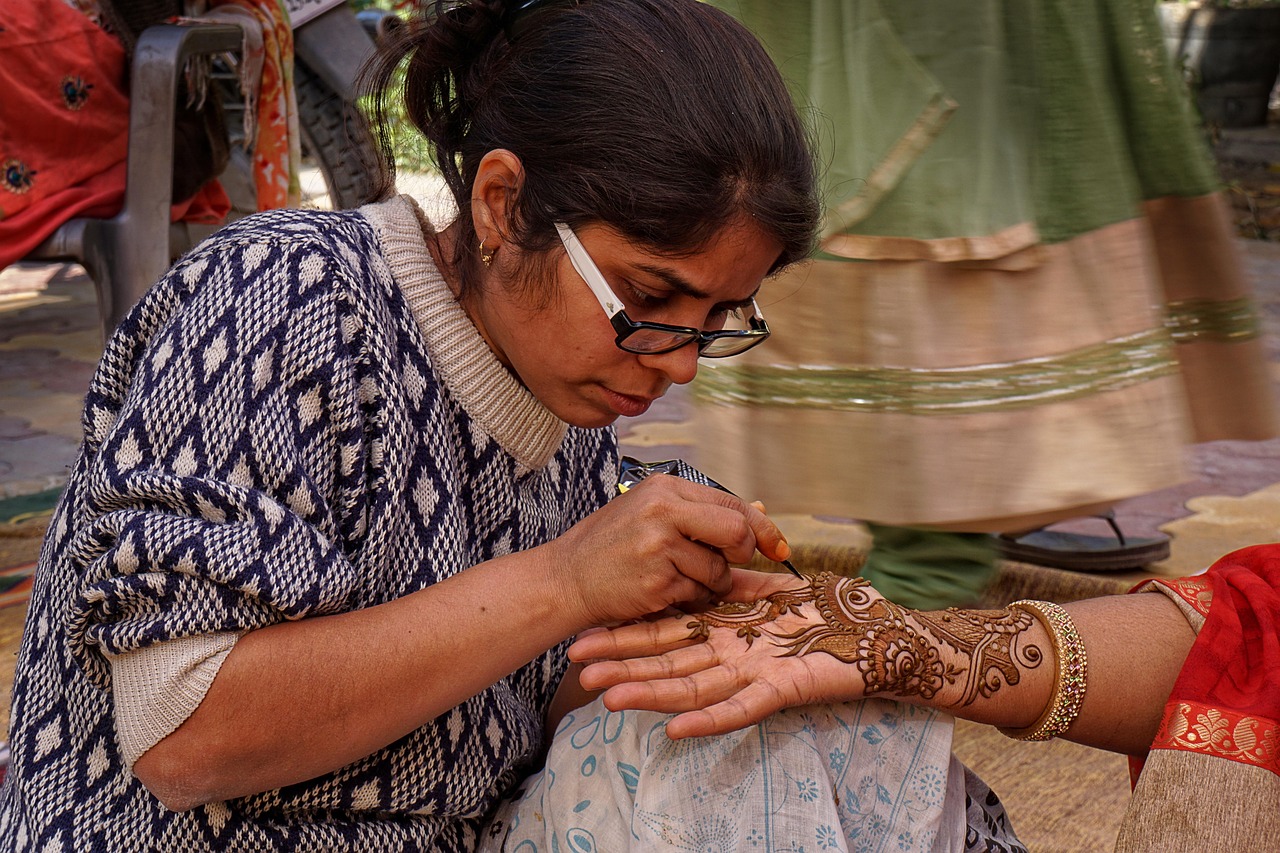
680, 366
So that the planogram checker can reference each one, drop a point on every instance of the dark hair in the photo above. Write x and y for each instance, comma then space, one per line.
664, 119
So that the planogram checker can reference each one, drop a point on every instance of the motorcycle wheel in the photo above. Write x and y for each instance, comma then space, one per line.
337, 137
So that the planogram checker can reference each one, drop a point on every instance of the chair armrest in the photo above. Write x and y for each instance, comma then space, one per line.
128, 253
162, 52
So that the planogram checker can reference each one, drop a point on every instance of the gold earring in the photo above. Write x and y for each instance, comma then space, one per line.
485, 257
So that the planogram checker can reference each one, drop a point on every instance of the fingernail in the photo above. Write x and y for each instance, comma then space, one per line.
784, 550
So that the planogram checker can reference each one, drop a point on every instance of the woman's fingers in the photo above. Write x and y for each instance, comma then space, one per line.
667, 523
749, 586
641, 639
708, 703
667, 695
650, 638
676, 664
768, 536
705, 566
726, 528
744, 708
723, 521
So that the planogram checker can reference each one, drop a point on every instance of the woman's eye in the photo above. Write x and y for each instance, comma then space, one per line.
642, 298
720, 316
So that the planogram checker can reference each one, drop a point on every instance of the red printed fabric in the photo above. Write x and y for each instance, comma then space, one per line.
64, 125
1226, 702
64, 119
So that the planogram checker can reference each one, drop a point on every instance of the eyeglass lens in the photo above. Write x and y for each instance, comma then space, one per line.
645, 340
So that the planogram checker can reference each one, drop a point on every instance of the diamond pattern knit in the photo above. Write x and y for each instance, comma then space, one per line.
268, 437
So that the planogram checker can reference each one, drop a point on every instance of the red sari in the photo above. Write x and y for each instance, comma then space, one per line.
1212, 778
64, 126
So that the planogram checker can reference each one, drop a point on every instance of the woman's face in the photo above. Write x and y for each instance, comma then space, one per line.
564, 352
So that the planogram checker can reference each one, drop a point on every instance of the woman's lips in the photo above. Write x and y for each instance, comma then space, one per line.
627, 405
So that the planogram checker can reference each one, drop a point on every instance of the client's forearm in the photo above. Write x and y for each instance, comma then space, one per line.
1096, 671
990, 666
1002, 671
1137, 645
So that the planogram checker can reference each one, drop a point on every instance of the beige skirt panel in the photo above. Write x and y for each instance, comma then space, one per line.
913, 470
913, 392
1220, 350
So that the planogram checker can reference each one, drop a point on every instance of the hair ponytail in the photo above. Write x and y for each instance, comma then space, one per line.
443, 53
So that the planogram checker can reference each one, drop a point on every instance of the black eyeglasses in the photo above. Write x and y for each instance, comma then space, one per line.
657, 338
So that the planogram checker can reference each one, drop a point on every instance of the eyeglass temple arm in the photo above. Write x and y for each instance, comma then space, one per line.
587, 269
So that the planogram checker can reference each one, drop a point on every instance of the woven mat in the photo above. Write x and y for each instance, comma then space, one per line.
23, 521
20, 544
20, 538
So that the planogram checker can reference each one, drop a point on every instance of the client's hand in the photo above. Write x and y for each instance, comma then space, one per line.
735, 664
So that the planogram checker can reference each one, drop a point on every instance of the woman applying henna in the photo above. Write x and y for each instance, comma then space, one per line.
345, 490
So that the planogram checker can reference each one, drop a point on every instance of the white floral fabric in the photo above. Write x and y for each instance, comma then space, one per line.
872, 775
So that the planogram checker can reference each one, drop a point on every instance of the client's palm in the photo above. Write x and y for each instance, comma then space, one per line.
734, 665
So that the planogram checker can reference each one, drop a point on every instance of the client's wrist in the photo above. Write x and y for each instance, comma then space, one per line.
963, 661
1070, 673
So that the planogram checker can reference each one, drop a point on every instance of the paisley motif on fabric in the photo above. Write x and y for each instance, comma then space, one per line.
75, 92
1193, 727
18, 177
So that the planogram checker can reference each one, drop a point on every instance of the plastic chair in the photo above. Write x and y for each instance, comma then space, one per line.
126, 254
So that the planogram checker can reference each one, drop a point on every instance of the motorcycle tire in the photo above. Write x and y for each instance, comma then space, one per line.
337, 137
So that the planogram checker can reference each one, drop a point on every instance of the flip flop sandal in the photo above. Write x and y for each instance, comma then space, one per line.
1082, 552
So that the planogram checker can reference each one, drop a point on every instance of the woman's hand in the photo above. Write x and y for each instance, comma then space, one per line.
735, 664
665, 542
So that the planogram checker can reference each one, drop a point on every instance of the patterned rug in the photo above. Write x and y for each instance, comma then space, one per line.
23, 521
15, 585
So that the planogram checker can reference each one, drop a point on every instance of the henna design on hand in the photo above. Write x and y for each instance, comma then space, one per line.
897, 651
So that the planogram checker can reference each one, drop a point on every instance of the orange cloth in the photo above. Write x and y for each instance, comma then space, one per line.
277, 147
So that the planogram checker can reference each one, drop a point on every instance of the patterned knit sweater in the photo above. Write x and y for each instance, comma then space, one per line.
298, 420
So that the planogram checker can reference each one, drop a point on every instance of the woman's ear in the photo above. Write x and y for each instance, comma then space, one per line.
493, 196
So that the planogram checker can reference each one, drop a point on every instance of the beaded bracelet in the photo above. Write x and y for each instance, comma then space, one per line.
1072, 672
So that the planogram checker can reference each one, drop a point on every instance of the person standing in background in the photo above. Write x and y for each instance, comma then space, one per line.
1027, 299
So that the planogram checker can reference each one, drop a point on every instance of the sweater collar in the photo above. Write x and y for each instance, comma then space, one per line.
486, 390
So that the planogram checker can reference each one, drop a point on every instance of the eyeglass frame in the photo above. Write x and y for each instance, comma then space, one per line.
625, 327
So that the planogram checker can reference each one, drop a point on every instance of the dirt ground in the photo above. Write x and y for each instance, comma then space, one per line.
1254, 190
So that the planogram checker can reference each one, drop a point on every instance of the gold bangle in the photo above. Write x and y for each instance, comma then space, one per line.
1071, 676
